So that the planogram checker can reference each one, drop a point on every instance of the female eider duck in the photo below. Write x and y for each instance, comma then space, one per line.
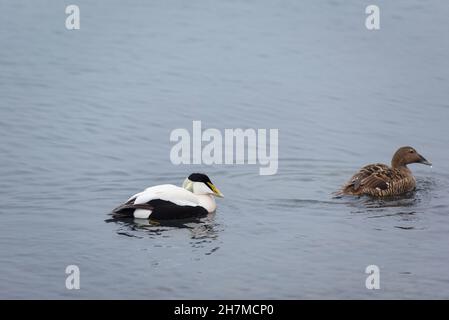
165, 202
380, 180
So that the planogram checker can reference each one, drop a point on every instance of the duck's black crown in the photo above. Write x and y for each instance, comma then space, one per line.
199, 177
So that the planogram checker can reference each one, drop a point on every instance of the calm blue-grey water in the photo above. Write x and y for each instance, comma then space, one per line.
85, 120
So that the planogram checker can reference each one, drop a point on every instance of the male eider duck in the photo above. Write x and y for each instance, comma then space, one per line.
165, 202
380, 180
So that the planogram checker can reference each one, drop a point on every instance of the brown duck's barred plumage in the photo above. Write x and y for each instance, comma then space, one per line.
380, 180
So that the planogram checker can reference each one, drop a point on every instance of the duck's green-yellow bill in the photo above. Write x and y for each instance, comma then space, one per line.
215, 190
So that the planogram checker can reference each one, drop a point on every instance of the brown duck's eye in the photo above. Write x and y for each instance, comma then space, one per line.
412, 151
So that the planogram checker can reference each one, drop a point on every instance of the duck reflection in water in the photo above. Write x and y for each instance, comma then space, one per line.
202, 230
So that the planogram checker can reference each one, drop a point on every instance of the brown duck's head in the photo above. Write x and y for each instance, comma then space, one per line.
406, 155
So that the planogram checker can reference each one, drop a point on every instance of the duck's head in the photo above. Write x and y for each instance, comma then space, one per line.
199, 183
407, 155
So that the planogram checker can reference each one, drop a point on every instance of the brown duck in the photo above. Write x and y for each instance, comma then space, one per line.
380, 180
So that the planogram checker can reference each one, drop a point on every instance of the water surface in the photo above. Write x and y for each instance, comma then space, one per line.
85, 120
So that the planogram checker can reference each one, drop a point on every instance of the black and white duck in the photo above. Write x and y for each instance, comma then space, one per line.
165, 202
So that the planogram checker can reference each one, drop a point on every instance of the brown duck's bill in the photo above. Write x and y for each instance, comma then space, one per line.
424, 161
